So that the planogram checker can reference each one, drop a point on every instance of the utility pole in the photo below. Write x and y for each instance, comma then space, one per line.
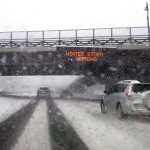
147, 10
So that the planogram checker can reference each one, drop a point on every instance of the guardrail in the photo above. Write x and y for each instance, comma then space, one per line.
75, 37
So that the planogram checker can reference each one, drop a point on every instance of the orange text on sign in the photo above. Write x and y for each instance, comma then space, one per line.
85, 56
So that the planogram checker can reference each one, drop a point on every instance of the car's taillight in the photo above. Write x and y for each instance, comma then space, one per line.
129, 95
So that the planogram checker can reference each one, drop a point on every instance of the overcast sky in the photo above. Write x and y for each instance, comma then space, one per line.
70, 14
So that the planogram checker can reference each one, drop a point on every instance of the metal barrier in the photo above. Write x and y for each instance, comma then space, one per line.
75, 37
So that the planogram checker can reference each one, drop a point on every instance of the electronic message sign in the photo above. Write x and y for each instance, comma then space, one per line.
82, 54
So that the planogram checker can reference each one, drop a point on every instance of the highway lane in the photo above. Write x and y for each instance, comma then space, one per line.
36, 134
105, 131
48, 129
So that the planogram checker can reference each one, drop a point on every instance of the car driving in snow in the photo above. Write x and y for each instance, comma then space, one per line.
66, 94
43, 92
128, 97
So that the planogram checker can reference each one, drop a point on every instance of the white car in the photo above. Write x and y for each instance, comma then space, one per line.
127, 97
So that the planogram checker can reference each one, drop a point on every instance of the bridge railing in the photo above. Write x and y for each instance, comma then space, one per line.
75, 37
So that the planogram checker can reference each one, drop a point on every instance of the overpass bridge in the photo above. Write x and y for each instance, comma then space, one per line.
126, 53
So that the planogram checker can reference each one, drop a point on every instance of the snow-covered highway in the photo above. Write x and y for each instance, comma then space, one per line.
96, 130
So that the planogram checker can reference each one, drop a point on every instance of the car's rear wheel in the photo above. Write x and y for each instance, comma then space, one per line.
120, 114
102, 106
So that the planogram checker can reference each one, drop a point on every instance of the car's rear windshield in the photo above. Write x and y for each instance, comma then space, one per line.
141, 87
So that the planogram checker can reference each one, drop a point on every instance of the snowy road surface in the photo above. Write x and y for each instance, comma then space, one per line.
97, 130
105, 131
36, 134
9, 106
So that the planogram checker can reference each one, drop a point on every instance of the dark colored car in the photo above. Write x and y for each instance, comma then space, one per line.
66, 94
43, 92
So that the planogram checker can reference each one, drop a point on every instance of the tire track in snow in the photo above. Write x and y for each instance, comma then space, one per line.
36, 134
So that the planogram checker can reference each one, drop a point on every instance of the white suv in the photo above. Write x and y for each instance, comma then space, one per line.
127, 97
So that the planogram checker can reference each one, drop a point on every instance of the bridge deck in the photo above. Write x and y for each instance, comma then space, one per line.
53, 49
